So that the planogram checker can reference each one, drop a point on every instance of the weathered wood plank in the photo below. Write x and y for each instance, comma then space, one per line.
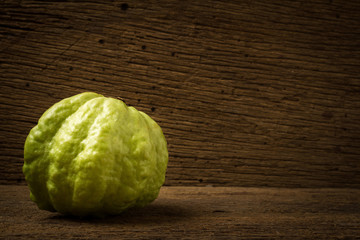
249, 93
197, 213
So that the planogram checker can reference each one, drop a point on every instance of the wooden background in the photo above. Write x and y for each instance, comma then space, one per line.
248, 93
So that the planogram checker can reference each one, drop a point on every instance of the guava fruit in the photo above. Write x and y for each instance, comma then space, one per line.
90, 155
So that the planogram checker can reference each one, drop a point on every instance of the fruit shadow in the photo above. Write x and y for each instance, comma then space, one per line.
156, 213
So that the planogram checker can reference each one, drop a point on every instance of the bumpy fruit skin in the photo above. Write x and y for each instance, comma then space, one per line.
94, 156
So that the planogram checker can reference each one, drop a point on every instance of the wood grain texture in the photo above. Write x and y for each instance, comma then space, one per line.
197, 213
248, 93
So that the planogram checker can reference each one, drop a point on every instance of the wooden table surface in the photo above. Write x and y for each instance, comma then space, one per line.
197, 213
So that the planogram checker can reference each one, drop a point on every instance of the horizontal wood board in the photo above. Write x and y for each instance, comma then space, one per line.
197, 213
248, 93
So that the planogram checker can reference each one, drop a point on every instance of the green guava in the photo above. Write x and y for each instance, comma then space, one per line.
94, 156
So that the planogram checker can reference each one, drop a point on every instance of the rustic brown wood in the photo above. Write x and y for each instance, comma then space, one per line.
248, 93
197, 213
